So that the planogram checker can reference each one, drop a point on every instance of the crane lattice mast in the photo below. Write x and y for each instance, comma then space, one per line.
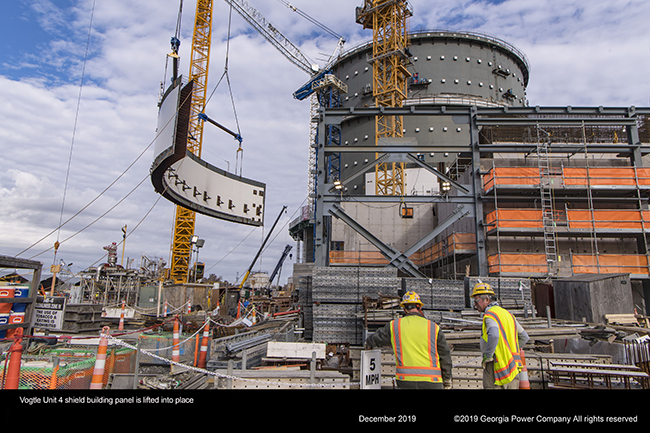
185, 219
388, 20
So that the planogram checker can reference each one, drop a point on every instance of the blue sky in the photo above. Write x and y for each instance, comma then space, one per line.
581, 53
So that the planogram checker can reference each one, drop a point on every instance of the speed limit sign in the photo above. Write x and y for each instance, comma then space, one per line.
371, 369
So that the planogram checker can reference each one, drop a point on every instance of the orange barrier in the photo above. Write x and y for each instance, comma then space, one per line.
121, 324
461, 242
571, 176
431, 254
610, 264
176, 353
511, 176
204, 344
616, 176
358, 258
455, 243
100, 362
524, 382
608, 219
521, 263
575, 219
515, 218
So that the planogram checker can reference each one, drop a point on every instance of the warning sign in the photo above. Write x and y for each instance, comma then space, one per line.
371, 369
48, 312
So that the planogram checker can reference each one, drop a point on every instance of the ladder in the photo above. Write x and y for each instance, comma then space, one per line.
545, 188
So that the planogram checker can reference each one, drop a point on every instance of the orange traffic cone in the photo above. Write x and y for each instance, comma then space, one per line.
524, 383
204, 344
176, 354
13, 371
121, 325
53, 378
100, 361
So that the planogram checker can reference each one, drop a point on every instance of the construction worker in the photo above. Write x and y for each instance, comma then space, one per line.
422, 356
502, 339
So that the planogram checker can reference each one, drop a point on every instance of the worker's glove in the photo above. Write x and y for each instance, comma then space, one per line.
486, 360
447, 384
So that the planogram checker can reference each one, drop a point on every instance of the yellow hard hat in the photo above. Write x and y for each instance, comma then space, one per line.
481, 289
411, 298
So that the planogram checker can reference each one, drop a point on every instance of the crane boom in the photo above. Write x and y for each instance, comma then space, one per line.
268, 30
185, 219
285, 253
250, 268
323, 87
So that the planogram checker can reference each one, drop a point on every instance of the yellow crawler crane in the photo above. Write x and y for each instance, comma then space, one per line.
200, 60
388, 20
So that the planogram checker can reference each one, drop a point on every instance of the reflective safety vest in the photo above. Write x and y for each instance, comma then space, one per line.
415, 346
507, 361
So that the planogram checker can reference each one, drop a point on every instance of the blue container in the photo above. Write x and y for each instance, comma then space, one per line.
20, 292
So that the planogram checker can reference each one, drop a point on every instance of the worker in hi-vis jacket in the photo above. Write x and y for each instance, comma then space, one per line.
501, 341
422, 356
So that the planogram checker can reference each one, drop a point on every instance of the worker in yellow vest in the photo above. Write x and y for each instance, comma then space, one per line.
422, 356
501, 341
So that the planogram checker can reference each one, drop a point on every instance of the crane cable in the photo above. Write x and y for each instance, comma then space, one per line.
100, 195
74, 130
240, 152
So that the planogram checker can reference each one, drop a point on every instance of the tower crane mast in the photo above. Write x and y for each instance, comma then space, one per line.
388, 20
185, 219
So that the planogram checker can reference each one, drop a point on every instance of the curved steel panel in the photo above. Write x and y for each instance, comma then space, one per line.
186, 180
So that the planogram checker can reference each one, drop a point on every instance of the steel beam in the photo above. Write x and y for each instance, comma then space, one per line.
394, 256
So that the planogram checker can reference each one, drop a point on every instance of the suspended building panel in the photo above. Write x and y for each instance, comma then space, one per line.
188, 181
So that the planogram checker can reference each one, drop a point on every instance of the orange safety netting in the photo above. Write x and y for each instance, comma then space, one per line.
518, 218
610, 264
511, 176
454, 243
606, 176
608, 219
75, 369
431, 254
461, 242
523, 263
358, 257
571, 176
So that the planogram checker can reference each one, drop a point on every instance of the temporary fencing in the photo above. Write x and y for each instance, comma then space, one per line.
69, 369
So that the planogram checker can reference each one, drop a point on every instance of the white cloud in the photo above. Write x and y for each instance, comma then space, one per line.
581, 53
